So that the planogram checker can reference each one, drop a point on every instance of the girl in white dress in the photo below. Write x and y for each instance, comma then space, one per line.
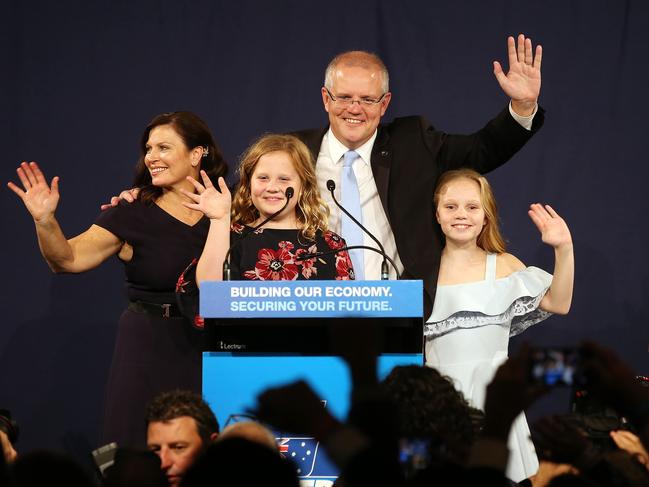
485, 295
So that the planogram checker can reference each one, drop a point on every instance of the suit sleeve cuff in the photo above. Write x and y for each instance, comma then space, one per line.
525, 122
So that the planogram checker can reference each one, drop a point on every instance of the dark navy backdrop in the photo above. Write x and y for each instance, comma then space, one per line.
80, 79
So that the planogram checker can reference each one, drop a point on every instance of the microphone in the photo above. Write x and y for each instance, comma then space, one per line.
351, 247
226, 262
385, 274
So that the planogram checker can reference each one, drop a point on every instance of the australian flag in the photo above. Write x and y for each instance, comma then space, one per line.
302, 451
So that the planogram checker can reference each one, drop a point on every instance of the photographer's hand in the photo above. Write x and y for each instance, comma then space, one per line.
296, 408
7, 448
627, 441
509, 393
613, 381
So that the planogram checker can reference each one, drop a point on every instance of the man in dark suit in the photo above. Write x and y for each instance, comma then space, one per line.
397, 164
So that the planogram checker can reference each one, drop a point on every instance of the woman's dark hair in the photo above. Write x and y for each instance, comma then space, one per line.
195, 133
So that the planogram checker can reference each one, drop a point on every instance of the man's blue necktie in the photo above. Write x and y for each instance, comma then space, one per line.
351, 201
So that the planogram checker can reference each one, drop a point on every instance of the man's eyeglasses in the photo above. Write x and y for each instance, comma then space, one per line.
238, 418
346, 101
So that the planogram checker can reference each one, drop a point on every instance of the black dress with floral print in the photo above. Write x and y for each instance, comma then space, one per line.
271, 254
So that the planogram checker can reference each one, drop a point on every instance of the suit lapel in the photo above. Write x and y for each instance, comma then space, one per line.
313, 140
381, 164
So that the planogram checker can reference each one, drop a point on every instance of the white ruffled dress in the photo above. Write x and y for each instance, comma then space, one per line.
467, 336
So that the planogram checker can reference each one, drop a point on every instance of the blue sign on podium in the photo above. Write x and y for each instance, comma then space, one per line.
312, 299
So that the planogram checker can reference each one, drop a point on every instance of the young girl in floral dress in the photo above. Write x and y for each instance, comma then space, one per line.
268, 168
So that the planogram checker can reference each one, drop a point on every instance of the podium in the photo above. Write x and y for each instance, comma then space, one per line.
266, 334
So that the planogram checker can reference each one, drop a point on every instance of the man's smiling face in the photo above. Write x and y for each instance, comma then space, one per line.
354, 123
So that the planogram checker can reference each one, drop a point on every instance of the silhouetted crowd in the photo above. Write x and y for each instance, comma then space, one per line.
411, 429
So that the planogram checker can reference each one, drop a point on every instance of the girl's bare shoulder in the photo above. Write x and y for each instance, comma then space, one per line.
507, 264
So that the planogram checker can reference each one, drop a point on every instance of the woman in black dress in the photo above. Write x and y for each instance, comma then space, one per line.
155, 237
268, 168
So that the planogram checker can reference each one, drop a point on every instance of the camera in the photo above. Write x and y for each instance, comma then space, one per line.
556, 366
414, 455
104, 457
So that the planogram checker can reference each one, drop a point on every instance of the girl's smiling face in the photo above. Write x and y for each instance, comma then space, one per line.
272, 175
460, 211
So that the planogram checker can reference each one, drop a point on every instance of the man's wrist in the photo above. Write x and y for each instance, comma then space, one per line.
523, 109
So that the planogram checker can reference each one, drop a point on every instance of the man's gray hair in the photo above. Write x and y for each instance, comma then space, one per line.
361, 59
